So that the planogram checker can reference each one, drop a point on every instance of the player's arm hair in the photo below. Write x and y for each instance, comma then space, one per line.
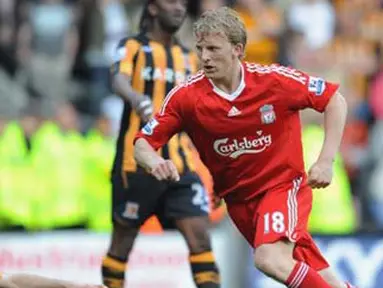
121, 84
334, 121
145, 155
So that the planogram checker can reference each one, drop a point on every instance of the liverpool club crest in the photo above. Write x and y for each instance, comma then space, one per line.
267, 114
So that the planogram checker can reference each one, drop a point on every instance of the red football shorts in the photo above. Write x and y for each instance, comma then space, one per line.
279, 214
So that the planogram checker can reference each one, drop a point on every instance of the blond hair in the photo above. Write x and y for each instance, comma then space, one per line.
222, 20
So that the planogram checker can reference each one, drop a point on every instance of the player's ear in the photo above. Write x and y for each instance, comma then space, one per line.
152, 9
239, 50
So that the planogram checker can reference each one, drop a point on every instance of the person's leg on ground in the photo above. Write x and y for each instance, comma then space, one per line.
7, 284
22, 280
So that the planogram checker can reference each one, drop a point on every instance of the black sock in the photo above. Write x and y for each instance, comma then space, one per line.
113, 271
205, 271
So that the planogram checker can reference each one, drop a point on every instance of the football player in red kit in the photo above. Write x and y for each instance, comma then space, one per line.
244, 121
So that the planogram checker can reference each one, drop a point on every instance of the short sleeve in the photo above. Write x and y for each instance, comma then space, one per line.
168, 121
124, 56
303, 91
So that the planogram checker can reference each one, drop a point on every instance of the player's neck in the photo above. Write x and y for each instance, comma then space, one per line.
161, 36
231, 82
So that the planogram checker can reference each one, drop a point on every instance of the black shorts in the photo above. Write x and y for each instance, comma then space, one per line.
140, 196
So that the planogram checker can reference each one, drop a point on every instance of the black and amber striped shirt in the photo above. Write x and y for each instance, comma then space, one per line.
154, 69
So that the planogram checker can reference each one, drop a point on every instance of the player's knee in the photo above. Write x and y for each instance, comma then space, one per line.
273, 259
199, 242
196, 233
123, 228
264, 259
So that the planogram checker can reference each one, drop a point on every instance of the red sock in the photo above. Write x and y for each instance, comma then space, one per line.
349, 285
305, 277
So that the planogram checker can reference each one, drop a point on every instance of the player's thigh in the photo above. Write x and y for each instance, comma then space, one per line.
186, 198
135, 198
244, 215
265, 255
283, 214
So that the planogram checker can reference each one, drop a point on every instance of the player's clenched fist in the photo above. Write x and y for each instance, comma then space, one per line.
165, 170
320, 174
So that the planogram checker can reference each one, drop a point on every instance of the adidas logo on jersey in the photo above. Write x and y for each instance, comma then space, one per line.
233, 112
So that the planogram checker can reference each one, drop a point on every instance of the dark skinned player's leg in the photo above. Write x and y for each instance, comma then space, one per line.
195, 230
187, 205
131, 207
114, 264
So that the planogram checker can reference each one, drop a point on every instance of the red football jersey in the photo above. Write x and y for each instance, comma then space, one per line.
250, 140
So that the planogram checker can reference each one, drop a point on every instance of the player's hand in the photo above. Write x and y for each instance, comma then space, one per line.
320, 174
143, 107
165, 170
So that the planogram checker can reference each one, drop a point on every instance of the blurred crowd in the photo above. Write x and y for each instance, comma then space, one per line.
55, 94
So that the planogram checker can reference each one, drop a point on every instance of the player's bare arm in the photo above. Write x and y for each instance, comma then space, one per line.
6, 284
148, 158
33, 281
142, 104
321, 172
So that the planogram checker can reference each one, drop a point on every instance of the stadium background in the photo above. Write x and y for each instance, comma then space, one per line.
59, 120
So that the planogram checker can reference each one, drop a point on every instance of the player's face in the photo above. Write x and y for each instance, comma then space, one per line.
217, 55
170, 14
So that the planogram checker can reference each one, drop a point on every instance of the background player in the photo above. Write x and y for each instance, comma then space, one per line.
33, 281
147, 67
244, 120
